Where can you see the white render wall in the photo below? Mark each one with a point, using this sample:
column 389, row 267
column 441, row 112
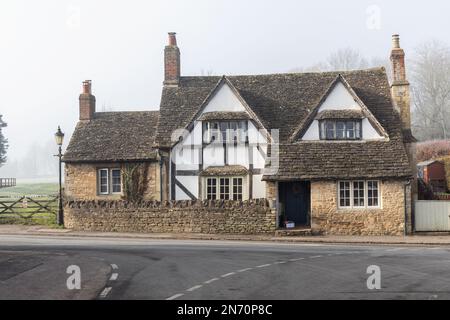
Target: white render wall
column 340, row 99
column 187, row 154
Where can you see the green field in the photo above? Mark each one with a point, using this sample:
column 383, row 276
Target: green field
column 30, row 189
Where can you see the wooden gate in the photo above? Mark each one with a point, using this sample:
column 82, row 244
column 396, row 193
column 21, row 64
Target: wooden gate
column 432, row 215
column 28, row 207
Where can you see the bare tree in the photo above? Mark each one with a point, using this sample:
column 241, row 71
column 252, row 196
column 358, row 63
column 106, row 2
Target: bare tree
column 344, row 60
column 3, row 143
column 430, row 78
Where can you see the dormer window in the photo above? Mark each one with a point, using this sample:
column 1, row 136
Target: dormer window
column 340, row 129
column 225, row 131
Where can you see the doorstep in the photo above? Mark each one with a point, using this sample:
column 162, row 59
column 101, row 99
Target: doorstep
column 294, row 232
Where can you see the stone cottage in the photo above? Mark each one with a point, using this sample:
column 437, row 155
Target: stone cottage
column 331, row 152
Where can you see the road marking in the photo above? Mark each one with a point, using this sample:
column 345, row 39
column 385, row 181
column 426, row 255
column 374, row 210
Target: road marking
column 296, row 259
column 395, row 249
column 175, row 296
column 227, row 274
column 313, row 257
column 194, row 288
column 279, row 262
column 246, row 269
column 211, row 280
column 114, row 266
column 264, row 265
column 105, row 292
column 114, row 277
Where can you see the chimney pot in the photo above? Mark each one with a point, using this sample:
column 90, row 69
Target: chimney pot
column 172, row 38
column 87, row 86
column 395, row 41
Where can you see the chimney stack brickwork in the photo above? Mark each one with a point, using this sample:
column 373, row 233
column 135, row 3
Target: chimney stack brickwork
column 400, row 86
column 87, row 102
column 172, row 66
column 401, row 97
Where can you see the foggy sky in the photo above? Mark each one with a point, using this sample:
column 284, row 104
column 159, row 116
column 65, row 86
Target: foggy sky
column 49, row 47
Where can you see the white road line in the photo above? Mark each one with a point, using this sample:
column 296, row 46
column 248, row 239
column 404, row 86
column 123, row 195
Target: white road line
column 105, row 292
column 395, row 249
column 211, row 280
column 175, row 296
column 227, row 274
column 194, row 288
column 114, row 266
column 264, row 265
column 246, row 269
column 279, row 262
column 296, row 259
column 114, row 277
column 313, row 257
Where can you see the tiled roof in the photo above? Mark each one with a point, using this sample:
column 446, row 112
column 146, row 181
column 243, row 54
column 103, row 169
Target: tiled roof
column 284, row 102
column 339, row 114
column 114, row 136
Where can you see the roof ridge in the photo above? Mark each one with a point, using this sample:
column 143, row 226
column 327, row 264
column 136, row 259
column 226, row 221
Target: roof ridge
column 330, row 72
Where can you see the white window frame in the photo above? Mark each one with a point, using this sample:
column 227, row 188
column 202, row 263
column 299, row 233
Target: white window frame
column 378, row 193
column 99, row 183
column 364, row 194
column 366, row 198
column 112, row 180
column 109, row 181
column 231, row 187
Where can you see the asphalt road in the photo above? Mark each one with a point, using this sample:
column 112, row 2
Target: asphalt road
column 33, row 267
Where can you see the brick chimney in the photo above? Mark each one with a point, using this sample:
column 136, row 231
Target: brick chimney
column 400, row 86
column 401, row 98
column 172, row 61
column 87, row 102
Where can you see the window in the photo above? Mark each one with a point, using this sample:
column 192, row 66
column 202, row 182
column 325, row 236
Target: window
column 116, row 181
column 225, row 188
column 109, row 181
column 103, row 178
column 372, row 193
column 359, row 194
column 237, row 188
column 340, row 130
column 211, row 188
column 344, row 194
column 225, row 131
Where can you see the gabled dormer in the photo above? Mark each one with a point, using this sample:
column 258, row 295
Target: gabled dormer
column 340, row 115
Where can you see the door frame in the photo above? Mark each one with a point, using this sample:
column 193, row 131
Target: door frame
column 282, row 194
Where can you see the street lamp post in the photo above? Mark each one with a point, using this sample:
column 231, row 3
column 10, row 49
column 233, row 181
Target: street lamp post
column 59, row 137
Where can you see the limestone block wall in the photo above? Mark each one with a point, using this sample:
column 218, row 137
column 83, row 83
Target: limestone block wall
column 80, row 181
column 327, row 218
column 209, row 216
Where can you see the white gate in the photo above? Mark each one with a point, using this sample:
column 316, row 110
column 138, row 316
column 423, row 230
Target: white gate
column 432, row 215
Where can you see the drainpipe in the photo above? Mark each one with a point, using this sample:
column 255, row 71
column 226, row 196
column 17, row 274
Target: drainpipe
column 160, row 177
column 405, row 231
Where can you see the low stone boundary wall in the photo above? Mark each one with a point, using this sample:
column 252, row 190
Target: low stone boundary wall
column 209, row 216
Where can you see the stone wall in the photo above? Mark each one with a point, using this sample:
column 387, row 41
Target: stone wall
column 327, row 218
column 231, row 217
column 80, row 181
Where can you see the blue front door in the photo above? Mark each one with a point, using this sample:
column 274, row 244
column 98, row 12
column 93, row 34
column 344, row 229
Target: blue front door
column 295, row 197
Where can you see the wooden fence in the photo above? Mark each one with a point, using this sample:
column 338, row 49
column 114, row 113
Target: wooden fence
column 28, row 207
column 7, row 182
